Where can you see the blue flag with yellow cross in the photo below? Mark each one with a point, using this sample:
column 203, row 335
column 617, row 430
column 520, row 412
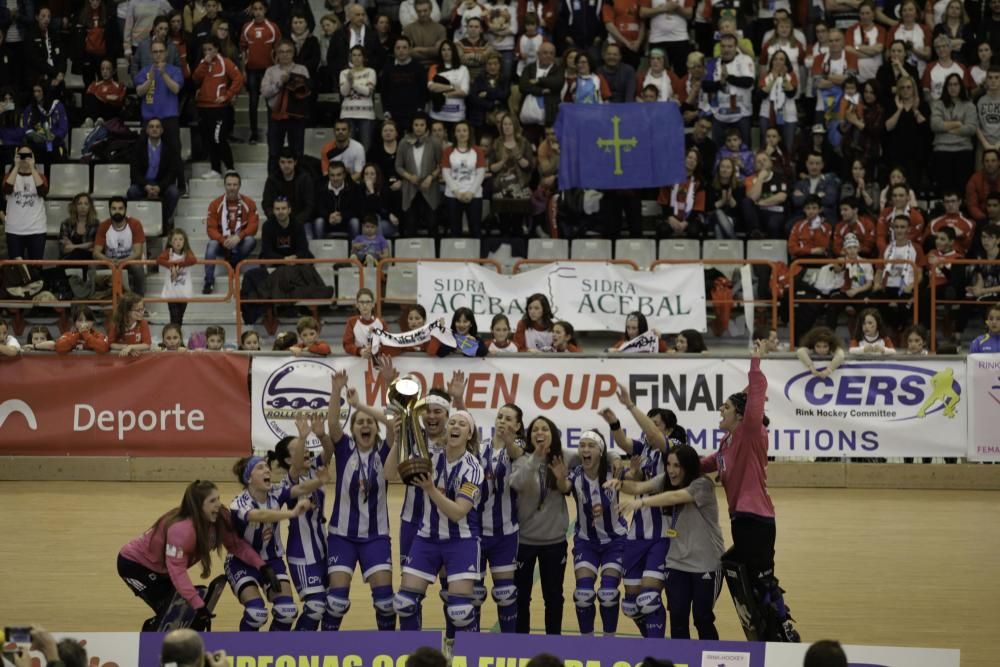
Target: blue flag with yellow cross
column 620, row 146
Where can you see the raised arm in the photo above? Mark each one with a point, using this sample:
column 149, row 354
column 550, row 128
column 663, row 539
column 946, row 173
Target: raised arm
column 664, row 499
column 753, row 416
column 337, row 383
column 654, row 437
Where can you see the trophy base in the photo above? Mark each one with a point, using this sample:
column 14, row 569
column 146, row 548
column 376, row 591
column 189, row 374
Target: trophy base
column 410, row 470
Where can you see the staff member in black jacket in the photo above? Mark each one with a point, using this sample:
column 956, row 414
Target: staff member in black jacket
column 155, row 168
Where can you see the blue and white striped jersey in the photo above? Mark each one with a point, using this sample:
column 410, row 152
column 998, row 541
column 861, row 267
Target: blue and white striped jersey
column 647, row 523
column 461, row 479
column 413, row 497
column 306, row 542
column 265, row 538
column 360, row 505
column 498, row 504
column 597, row 517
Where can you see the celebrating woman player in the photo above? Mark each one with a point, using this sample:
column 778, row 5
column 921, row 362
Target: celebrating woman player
column 359, row 521
column 599, row 535
column 448, row 534
column 694, row 572
column 498, row 513
column 155, row 565
column 741, row 462
column 305, row 548
column 256, row 513
column 647, row 545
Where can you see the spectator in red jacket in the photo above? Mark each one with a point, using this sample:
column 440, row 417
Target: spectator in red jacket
column 83, row 335
column 309, row 341
column 853, row 222
column 982, row 183
column 810, row 236
column 218, row 80
column 232, row 228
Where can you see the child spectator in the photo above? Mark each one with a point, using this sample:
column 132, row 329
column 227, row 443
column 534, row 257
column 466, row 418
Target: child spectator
column 735, row 149
column 468, row 342
column 308, row 329
column 357, row 331
column 501, row 343
column 635, row 326
column 563, row 338
column 869, row 335
column 411, row 319
column 986, row 277
column 528, row 43
column 897, row 279
column 250, row 341
column 989, row 343
column 82, row 335
column 215, row 339
column 689, row 341
column 177, row 257
column 370, row 246
column 915, row 337
column 129, row 332
column 858, row 276
column 40, row 339
column 284, row 341
column 534, row 331
column 811, row 236
column 821, row 342
column 856, row 223
column 9, row 345
column 172, row 338
column 943, row 279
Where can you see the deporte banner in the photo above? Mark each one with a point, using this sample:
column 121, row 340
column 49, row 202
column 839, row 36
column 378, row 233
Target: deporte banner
column 375, row 649
column 592, row 296
column 304, row 649
column 152, row 405
column 884, row 408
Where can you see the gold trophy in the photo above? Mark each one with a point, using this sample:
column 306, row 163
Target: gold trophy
column 411, row 449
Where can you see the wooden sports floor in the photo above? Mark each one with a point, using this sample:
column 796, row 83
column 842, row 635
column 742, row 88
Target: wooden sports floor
column 909, row 568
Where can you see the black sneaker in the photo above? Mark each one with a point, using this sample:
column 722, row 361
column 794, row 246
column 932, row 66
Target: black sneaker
column 788, row 633
column 208, row 288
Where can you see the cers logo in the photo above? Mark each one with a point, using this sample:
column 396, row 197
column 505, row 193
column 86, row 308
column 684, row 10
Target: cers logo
column 299, row 386
column 894, row 391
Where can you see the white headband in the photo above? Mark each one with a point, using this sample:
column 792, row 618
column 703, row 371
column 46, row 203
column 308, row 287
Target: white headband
column 465, row 414
column 434, row 399
column 593, row 436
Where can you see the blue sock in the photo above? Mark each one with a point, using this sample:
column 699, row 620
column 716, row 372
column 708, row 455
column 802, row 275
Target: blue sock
column 283, row 614
column 630, row 609
column 413, row 621
column 584, row 596
column 385, row 617
column 609, row 612
column 656, row 620
column 334, row 615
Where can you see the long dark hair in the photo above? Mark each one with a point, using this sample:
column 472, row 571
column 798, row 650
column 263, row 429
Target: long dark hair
column 127, row 301
column 555, row 449
column 640, row 322
column 520, row 419
column 190, row 508
column 280, row 453
column 963, row 94
column 859, row 329
column 469, row 315
column 695, row 341
column 603, row 467
column 456, row 61
column 546, row 310
column 690, row 463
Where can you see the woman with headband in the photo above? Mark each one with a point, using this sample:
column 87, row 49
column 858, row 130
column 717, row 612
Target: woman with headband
column 741, row 462
column 599, row 535
column 255, row 515
column 448, row 529
column 498, row 514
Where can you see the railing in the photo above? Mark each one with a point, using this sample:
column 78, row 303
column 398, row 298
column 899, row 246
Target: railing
column 528, row 262
column 795, row 269
column 935, row 301
column 772, row 302
column 380, row 274
column 270, row 322
column 20, row 305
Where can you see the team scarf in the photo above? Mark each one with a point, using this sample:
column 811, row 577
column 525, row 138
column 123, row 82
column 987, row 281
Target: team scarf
column 414, row 338
column 648, row 342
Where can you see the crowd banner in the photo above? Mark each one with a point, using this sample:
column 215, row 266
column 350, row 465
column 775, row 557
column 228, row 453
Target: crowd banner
column 592, row 296
column 867, row 408
column 294, row 649
column 984, row 406
column 151, row 405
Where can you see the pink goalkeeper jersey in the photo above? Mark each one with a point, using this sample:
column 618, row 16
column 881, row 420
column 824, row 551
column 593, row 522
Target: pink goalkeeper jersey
column 742, row 457
column 171, row 551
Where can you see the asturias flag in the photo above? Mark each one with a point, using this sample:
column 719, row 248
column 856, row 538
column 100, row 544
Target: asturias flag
column 619, row 146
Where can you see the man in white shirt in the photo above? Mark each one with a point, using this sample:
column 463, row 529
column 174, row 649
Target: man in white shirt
column 729, row 83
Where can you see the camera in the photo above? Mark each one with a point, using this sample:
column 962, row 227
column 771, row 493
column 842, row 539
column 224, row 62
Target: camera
column 17, row 635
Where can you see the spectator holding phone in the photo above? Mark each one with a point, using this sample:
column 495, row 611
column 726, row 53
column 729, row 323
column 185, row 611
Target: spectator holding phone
column 25, row 218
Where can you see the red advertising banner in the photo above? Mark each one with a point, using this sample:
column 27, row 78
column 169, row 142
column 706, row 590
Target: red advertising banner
column 152, row 405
